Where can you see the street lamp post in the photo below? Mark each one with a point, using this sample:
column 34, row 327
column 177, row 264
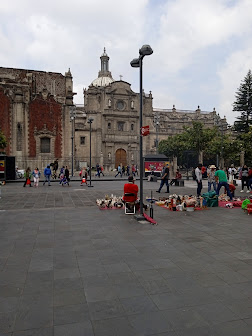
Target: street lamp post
column 219, row 122
column 90, row 120
column 72, row 118
column 157, row 122
column 146, row 50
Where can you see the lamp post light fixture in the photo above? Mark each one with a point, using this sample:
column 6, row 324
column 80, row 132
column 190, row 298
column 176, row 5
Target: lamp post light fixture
column 146, row 50
column 90, row 120
column 72, row 118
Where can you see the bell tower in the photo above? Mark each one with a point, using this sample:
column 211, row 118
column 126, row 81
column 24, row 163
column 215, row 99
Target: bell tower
column 104, row 72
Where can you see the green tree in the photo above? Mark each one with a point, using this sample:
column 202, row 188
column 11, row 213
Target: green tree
column 246, row 145
column 3, row 141
column 243, row 104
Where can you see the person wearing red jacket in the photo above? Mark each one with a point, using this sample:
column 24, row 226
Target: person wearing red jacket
column 130, row 188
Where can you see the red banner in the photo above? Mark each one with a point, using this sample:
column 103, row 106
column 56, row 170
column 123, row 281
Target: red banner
column 154, row 166
column 145, row 130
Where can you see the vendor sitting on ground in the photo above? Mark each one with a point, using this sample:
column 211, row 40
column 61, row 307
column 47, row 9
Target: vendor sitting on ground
column 231, row 188
column 178, row 176
column 130, row 193
column 130, row 188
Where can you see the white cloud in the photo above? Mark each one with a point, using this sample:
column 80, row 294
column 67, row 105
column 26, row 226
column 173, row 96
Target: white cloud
column 188, row 38
column 231, row 75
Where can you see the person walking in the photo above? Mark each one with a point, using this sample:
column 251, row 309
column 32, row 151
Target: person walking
column 198, row 174
column 36, row 176
column 221, row 179
column 62, row 174
column 47, row 174
column 128, row 170
column 27, row 176
column 164, row 178
column 211, row 178
column 101, row 170
column 119, row 171
column 67, row 175
column 98, row 170
column 133, row 169
column 123, row 170
column 244, row 177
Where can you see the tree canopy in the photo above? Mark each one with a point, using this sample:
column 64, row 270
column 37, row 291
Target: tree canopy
column 209, row 140
column 243, row 104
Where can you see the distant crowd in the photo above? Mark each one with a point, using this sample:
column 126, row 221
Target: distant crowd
column 50, row 172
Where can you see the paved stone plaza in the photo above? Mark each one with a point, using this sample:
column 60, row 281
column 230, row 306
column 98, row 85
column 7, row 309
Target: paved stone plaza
column 70, row 269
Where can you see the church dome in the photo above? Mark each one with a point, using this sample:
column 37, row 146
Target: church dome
column 102, row 81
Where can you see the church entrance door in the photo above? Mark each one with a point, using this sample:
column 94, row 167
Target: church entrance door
column 120, row 157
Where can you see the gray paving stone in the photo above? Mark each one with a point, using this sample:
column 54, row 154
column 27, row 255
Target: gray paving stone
column 35, row 332
column 81, row 257
column 100, row 310
column 7, row 321
column 233, row 328
column 115, row 326
column 139, row 304
column 185, row 318
column 215, row 313
column 74, row 329
column 68, row 296
column 150, row 323
column 71, row 314
column 8, row 304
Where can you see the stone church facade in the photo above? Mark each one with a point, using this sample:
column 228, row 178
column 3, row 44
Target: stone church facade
column 114, row 108
column 35, row 115
column 36, row 109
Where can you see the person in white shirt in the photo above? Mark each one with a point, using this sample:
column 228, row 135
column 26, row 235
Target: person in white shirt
column 198, row 174
column 231, row 173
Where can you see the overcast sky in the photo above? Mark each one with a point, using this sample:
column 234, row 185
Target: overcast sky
column 202, row 48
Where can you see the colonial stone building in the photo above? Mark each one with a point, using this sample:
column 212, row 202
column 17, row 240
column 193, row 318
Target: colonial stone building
column 41, row 123
column 114, row 108
column 34, row 115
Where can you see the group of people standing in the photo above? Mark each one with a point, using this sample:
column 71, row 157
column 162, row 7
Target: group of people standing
column 217, row 178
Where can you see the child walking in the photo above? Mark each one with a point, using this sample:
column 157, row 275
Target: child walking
column 36, row 176
column 84, row 178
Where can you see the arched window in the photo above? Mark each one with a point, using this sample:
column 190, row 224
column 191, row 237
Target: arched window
column 132, row 127
column 109, row 125
column 45, row 145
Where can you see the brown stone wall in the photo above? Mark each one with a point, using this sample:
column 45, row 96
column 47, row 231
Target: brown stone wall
column 37, row 80
column 45, row 114
column 5, row 119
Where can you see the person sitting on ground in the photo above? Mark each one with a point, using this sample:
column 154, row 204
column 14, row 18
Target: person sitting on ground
column 231, row 188
column 178, row 176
